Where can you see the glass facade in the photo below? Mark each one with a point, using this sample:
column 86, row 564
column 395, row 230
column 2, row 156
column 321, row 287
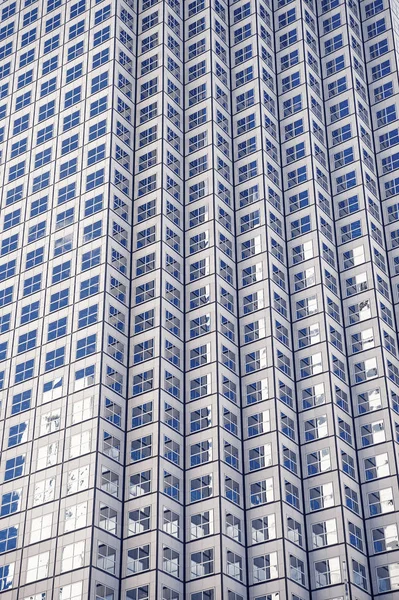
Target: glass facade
column 199, row 280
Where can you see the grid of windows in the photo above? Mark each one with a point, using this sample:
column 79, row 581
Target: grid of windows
column 198, row 277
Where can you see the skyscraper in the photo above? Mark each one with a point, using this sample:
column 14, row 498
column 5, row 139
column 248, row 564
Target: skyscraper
column 199, row 273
